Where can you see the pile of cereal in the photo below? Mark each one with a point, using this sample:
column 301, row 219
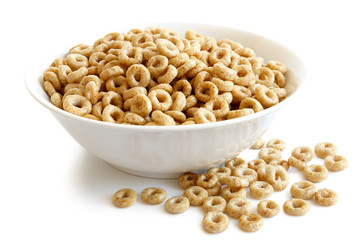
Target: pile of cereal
column 221, row 191
column 156, row 77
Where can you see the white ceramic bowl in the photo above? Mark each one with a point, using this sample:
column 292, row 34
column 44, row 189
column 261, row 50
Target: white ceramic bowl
column 166, row 152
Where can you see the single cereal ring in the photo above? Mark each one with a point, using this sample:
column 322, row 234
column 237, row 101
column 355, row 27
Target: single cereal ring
column 219, row 107
column 166, row 48
column 134, row 118
column 76, row 61
column 157, row 65
column 283, row 163
column 185, row 68
column 183, row 86
column 236, row 162
column 315, row 173
column 202, row 115
column 251, row 103
column 261, row 189
column 296, row 207
column 303, row 190
column 56, row 99
column 215, row 222
column 245, row 52
column 228, row 193
column 164, row 86
column 162, row 119
column 237, row 207
column 130, row 55
column 139, row 39
column 223, row 72
column 153, row 195
column 137, row 75
column 276, row 65
column 215, row 190
column 269, row 154
column 187, row 179
column 264, row 74
column 326, row 197
column 235, row 182
column 112, row 98
column 279, row 79
column 240, row 93
column 160, row 100
column 223, row 86
column 77, row 104
column 76, row 75
column 220, row 172
column 244, row 75
column 109, row 72
column 132, row 92
column 205, row 91
column 176, row 205
column 220, row 55
column 277, row 177
column 301, row 165
column 246, row 173
column 207, row 180
column 110, row 113
column 214, row 203
column 256, row 164
column 196, row 195
column 303, row 153
column 227, row 96
column 276, row 143
column 141, row 105
column 239, row 113
column 266, row 96
column 51, row 75
column 268, row 208
column 124, row 197
column 251, row 222
column 336, row 163
column 324, row 149
column 258, row 144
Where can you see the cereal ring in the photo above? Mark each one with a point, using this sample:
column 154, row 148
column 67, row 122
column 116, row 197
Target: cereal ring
column 51, row 75
column 130, row 55
column 296, row 207
column 82, row 49
column 176, row 205
column 207, row 180
column 77, row 104
column 186, row 67
column 201, row 77
column 96, row 58
column 301, row 165
column 117, row 84
column 220, row 55
column 196, row 195
column 268, row 208
column 139, row 39
column 223, row 86
column 278, row 178
column 166, row 48
column 134, row 118
column 188, row 179
column 163, row 86
column 138, row 75
column 261, row 189
column 279, row 79
column 245, row 52
column 269, row 154
column 132, row 92
column 283, row 163
column 235, row 182
column 276, row 65
column 250, row 222
column 178, row 116
column 256, row 62
column 226, row 96
column 183, row 86
column 56, row 99
column 240, row 93
column 220, row 172
column 276, row 143
column 202, row 115
column 315, row 173
column 336, row 163
column 219, row 107
column 303, row 190
column 264, row 74
column 223, row 72
column 251, row 103
column 215, row 222
column 169, row 75
column 50, row 90
column 246, row 173
column 76, row 61
column 237, row 207
column 111, row 113
column 266, row 97
column 157, row 65
column 76, row 75
column 141, row 105
column 153, row 195
column 258, row 144
column 162, row 119
column 234, row 163
column 256, row 164
column 325, row 149
column 97, row 109
column 124, row 197
column 160, row 100
column 244, row 75
column 205, row 91
column 228, row 193
column 303, row 153
column 112, row 98
column 326, row 197
column 214, row 203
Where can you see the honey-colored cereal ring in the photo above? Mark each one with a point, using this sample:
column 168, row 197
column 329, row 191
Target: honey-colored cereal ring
column 269, row 154
column 96, row 58
column 214, row 203
column 276, row 65
column 266, row 97
column 130, row 55
column 235, row 163
column 178, row 116
column 283, row 163
column 176, row 205
column 277, row 144
column 157, row 65
column 63, row 72
column 246, row 173
column 163, row 86
column 237, row 61
column 183, row 86
column 315, row 173
column 139, row 39
column 162, row 119
column 256, row 164
column 57, row 63
column 202, row 115
column 201, row 77
column 153, row 195
column 124, row 197
column 258, row 144
column 220, row 55
column 178, row 101
column 49, row 88
column 134, row 118
column 215, row 222
column 166, row 48
column 223, row 72
column 219, row 107
column 77, row 104
column 169, row 75
column 82, row 49
column 215, row 190
column 205, row 91
column 220, row 172
column 112, row 114
column 186, row 67
column 235, row 182
column 117, row 84
column 92, row 117
column 336, row 163
column 236, row 207
column 111, row 72
column 223, row 86
column 303, row 153
column 51, row 75
column 209, row 44
column 296, row 207
column 251, row 103
column 141, row 105
column 179, row 60
column 187, row 179
column 264, row 74
column 299, row 164
column 261, row 189
column 112, row 98
column 132, row 92
column 268, row 208
column 76, row 61
column 279, row 79
column 207, row 180
column 245, row 52
column 250, row 222
column 278, row 178
column 91, row 92
column 56, row 99
column 76, row 75
column 244, row 75
column 160, row 100
column 196, row 195
column 138, row 75
column 98, row 109
column 228, row 193
column 326, row 197
column 303, row 190
column 325, row 149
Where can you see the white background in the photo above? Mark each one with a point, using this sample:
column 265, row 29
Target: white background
column 51, row 188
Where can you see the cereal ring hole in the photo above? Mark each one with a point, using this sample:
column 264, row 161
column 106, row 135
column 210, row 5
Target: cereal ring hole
column 271, row 205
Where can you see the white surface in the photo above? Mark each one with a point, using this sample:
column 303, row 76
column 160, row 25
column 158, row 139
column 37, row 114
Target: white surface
column 51, row 188
column 166, row 152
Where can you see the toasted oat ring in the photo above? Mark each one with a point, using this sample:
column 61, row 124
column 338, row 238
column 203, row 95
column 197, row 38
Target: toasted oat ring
column 229, row 192
column 185, row 68
column 141, row 105
column 196, row 195
column 162, row 119
column 235, row 182
column 268, row 208
column 201, row 77
column 157, row 65
column 202, row 115
column 269, row 154
column 91, row 92
column 223, row 86
column 153, row 195
column 207, row 180
column 134, row 118
column 223, row 72
column 163, row 86
column 215, row 222
column 261, row 189
column 303, row 190
column 256, row 164
column 237, row 207
column 178, row 116
column 251, row 222
column 219, row 107
column 176, row 205
column 264, row 74
column 246, row 173
column 124, row 197
column 76, row 61
column 220, row 55
column 326, row 197
column 97, row 109
column 215, row 190
column 137, row 75
column 244, row 75
column 278, row 178
column 214, row 203
column 315, row 173
column 110, row 72
column 205, row 91
column 279, row 79
column 51, row 75
column 277, row 144
column 77, row 104
column 245, row 52
column 139, row 39
column 130, row 55
column 178, row 101
column 169, row 75
column 112, row 98
column 112, row 114
column 299, row 164
column 117, row 84
column 56, row 99
column 296, row 207
column 336, row 163
column 325, row 149
column 303, row 153
column 251, row 103
column 266, row 96
column 188, row 179
column 234, row 163
column 82, row 49
column 283, row 163
column 220, row 172
column 160, row 99
column 258, row 144
column 276, row 65
column 166, row 48
column 132, row 92
column 76, row 75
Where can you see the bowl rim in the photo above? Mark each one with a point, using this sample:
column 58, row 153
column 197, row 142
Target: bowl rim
column 29, row 75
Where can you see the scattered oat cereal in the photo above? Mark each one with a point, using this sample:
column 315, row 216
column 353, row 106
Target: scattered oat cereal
column 124, row 198
column 153, row 195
